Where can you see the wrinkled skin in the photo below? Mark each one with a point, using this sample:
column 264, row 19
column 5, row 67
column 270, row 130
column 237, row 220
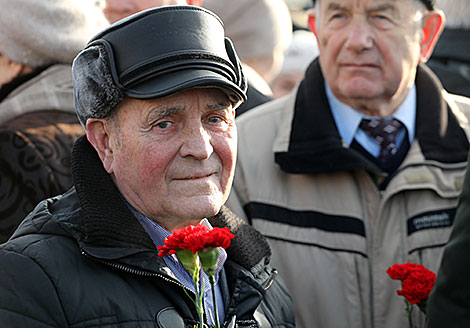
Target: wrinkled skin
column 172, row 158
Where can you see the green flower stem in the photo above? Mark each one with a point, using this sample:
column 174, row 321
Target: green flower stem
column 199, row 305
column 409, row 310
column 192, row 264
column 216, row 312
column 209, row 258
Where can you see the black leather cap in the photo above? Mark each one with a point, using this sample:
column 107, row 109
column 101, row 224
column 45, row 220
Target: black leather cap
column 153, row 54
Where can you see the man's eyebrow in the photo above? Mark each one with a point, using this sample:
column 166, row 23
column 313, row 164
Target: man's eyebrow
column 384, row 7
column 221, row 105
column 163, row 111
column 332, row 6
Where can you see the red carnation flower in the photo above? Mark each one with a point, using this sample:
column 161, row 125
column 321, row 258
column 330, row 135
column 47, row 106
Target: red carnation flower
column 418, row 285
column 197, row 246
column 195, row 239
column 401, row 271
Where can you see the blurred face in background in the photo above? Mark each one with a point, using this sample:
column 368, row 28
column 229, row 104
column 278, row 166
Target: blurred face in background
column 370, row 49
column 285, row 83
column 115, row 10
column 9, row 70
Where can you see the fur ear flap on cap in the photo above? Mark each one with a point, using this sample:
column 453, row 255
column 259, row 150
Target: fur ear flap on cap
column 95, row 92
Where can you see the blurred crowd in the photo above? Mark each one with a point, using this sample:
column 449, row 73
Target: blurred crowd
column 277, row 47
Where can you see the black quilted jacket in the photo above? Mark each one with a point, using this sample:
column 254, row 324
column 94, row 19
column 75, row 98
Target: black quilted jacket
column 83, row 260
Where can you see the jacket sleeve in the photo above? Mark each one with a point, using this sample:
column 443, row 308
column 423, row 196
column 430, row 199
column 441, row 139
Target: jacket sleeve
column 28, row 296
column 449, row 303
column 278, row 305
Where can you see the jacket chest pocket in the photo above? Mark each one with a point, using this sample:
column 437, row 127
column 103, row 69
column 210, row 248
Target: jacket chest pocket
column 427, row 234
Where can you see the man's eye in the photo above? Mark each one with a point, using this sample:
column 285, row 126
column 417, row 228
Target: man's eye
column 164, row 125
column 382, row 21
column 337, row 20
column 337, row 16
column 380, row 17
column 214, row 119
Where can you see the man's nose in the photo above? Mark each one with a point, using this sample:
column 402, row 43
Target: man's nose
column 196, row 143
column 360, row 36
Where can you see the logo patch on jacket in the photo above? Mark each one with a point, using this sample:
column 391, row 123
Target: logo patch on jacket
column 431, row 220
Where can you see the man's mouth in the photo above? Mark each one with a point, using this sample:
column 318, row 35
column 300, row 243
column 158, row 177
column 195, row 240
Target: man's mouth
column 196, row 177
column 359, row 65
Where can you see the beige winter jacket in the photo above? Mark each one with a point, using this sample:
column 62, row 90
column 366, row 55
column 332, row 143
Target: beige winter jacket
column 333, row 233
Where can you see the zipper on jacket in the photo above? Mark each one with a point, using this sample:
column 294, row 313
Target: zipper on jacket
column 270, row 282
column 135, row 271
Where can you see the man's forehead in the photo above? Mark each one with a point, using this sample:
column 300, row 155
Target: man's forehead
column 206, row 98
column 332, row 4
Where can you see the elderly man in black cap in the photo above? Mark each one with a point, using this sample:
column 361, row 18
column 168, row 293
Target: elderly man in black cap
column 156, row 93
column 360, row 167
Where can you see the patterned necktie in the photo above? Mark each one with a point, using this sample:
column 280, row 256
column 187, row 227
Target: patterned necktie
column 384, row 132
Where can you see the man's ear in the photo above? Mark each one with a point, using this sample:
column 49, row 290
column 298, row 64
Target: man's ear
column 312, row 21
column 98, row 134
column 433, row 24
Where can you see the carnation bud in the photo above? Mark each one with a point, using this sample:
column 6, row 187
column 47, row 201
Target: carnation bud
column 209, row 258
column 189, row 260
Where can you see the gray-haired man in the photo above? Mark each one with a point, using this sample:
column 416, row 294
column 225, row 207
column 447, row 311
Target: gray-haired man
column 360, row 167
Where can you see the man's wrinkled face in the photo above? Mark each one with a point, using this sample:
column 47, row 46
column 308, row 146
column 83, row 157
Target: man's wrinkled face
column 173, row 158
column 369, row 49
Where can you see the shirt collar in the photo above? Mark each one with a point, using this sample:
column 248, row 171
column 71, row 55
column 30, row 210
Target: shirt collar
column 348, row 119
column 158, row 234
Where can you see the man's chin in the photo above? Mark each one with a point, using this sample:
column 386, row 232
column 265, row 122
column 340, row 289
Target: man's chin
column 201, row 207
column 366, row 90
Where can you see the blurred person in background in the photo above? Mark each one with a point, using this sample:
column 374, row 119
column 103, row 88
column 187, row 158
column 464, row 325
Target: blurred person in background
column 360, row 167
column 115, row 10
column 302, row 50
column 38, row 125
column 451, row 57
column 244, row 31
column 261, row 31
column 448, row 305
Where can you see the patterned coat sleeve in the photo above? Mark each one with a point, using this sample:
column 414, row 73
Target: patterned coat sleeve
column 34, row 165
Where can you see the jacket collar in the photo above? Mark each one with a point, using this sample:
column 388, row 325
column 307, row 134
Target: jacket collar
column 108, row 223
column 316, row 147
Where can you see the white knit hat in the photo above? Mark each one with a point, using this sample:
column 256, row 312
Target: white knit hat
column 302, row 50
column 40, row 32
column 256, row 27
